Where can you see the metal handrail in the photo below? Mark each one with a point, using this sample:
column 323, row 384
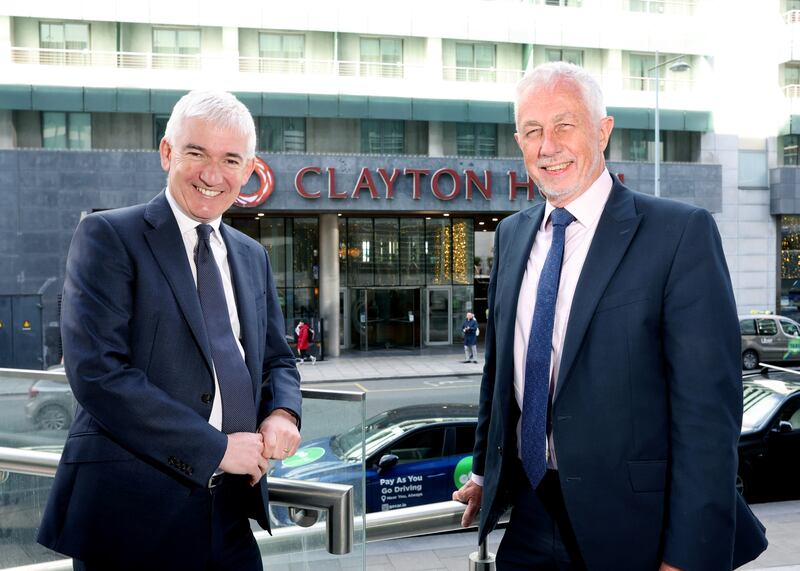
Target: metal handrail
column 335, row 499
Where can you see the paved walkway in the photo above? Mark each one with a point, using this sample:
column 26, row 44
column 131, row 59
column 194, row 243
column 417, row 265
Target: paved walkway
column 434, row 362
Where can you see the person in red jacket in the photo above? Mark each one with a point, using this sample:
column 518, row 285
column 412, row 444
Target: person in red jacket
column 303, row 333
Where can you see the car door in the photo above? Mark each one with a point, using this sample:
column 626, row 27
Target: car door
column 772, row 345
column 419, row 477
column 783, row 451
column 791, row 333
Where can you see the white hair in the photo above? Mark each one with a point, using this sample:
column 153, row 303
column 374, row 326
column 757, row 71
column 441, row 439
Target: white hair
column 549, row 73
column 219, row 108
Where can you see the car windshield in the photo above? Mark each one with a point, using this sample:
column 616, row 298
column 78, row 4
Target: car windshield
column 761, row 398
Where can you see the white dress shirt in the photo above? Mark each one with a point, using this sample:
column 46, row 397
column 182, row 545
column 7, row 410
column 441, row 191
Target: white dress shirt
column 586, row 209
column 188, row 228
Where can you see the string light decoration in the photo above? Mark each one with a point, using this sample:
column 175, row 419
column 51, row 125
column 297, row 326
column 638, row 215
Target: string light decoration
column 441, row 251
column 460, row 252
column 790, row 248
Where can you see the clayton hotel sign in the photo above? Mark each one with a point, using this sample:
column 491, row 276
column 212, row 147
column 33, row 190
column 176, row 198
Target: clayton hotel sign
column 359, row 182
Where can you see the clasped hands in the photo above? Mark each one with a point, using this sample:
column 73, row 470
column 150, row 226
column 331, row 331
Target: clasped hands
column 249, row 453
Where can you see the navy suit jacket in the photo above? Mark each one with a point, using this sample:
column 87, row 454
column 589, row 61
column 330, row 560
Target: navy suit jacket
column 141, row 451
column 647, row 409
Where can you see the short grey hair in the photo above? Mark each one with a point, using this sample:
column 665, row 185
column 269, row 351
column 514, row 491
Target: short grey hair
column 219, row 108
column 549, row 73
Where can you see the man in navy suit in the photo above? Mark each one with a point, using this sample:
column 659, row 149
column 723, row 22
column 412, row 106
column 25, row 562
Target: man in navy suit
column 174, row 347
column 631, row 331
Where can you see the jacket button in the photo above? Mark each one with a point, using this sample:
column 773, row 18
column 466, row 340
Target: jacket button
column 500, row 450
column 206, row 398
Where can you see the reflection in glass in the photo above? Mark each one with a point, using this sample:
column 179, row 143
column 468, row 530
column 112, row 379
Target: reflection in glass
column 273, row 238
column 360, row 253
column 342, row 252
column 438, row 315
column 462, row 303
column 412, row 248
column 438, row 250
column 304, row 248
column 387, row 255
column 463, row 251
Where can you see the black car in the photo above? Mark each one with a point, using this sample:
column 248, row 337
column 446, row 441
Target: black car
column 769, row 446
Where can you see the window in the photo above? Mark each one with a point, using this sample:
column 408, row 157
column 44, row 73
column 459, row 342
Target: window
column 382, row 136
column 641, row 72
column 281, row 53
column 420, row 445
column 282, row 134
column 569, row 56
column 382, row 57
column 159, row 128
column 576, row 3
column 791, row 74
column 64, row 36
column 66, row 130
column 790, row 328
column 748, row 326
column 675, row 146
column 790, row 145
column 475, row 62
column 476, row 139
column 176, row 48
column 753, row 169
column 465, row 439
column 767, row 327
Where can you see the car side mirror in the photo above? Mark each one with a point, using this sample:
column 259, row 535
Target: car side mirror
column 387, row 461
column 783, row 427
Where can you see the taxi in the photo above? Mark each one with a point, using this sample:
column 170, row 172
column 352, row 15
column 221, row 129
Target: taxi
column 414, row 455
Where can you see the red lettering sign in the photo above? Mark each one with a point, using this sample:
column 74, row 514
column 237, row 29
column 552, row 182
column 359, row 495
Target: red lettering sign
column 365, row 181
column 456, row 184
column 332, row 185
column 514, row 185
column 417, row 174
column 484, row 187
column 298, row 182
column 389, row 180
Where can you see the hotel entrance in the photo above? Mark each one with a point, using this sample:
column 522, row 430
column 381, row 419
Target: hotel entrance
column 383, row 318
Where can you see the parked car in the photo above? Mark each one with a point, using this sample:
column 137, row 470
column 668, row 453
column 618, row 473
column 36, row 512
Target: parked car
column 769, row 447
column 414, row 455
column 50, row 404
column 768, row 338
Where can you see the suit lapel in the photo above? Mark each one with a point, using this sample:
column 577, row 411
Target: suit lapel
column 245, row 299
column 615, row 230
column 169, row 251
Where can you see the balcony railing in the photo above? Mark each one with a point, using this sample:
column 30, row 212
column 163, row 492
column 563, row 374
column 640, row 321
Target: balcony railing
column 672, row 7
column 638, row 83
column 126, row 60
column 482, row 74
column 792, row 91
column 792, row 17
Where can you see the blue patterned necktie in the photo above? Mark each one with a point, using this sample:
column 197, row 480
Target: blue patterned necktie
column 235, row 383
column 540, row 345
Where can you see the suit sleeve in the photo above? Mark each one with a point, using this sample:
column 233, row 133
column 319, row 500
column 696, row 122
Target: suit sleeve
column 280, row 379
column 487, row 382
column 98, row 309
column 701, row 345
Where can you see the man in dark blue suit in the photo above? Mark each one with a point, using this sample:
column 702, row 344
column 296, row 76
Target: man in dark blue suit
column 611, row 400
column 174, row 347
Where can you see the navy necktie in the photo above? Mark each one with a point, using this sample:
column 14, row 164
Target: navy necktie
column 537, row 364
column 235, row 383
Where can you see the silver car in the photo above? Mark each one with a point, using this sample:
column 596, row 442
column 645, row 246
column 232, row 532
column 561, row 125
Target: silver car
column 50, row 405
column 768, row 338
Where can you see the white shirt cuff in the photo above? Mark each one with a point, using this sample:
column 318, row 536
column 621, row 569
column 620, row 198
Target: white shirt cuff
column 477, row 479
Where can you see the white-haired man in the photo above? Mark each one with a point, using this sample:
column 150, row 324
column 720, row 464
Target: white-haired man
column 611, row 399
column 174, row 347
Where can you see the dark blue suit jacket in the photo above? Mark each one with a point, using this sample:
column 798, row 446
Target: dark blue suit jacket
column 140, row 452
column 647, row 411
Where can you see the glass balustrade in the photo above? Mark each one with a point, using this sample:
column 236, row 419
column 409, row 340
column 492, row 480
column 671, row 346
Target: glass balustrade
column 37, row 407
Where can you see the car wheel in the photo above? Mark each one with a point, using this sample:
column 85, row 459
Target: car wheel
column 749, row 360
column 52, row 417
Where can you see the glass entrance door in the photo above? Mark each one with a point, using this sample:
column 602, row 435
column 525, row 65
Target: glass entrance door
column 439, row 316
column 383, row 318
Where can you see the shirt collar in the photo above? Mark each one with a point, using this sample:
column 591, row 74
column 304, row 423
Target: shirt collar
column 588, row 207
column 186, row 224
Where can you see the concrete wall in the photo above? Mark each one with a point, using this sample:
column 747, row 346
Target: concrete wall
column 103, row 36
column 8, row 135
column 122, row 131
column 136, row 38
column 506, row 145
column 416, row 137
column 25, row 33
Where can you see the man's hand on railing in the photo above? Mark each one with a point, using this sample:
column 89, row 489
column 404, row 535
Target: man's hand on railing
column 470, row 494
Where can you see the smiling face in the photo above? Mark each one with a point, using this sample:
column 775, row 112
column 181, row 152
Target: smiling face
column 562, row 144
column 207, row 166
